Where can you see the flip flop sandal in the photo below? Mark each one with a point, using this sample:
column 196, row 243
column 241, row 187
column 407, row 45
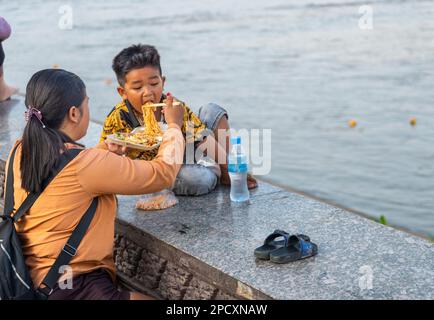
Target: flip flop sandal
column 295, row 248
column 270, row 244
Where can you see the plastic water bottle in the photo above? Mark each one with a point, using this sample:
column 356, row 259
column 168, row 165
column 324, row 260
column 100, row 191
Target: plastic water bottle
column 237, row 167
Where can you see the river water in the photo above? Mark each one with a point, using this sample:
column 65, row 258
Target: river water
column 302, row 68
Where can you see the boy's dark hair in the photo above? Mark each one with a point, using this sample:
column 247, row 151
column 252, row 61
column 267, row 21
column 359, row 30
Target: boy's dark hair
column 134, row 57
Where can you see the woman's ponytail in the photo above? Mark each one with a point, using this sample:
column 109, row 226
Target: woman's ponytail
column 49, row 96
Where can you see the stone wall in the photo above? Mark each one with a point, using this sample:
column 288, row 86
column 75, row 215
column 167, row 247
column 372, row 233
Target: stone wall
column 145, row 271
column 150, row 266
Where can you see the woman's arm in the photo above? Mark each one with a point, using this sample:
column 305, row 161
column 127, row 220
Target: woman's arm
column 103, row 172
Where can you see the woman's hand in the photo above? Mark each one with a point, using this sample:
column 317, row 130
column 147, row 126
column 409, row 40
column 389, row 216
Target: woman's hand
column 173, row 114
column 115, row 148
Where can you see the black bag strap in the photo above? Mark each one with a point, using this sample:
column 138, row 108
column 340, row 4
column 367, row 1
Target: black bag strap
column 9, row 192
column 68, row 251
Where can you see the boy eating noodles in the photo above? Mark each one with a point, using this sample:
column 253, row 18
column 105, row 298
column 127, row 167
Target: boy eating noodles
column 140, row 79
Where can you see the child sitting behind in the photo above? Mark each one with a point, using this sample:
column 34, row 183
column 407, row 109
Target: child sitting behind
column 140, row 79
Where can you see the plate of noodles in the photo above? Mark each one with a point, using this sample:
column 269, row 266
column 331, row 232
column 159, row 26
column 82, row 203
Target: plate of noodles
column 144, row 138
column 137, row 140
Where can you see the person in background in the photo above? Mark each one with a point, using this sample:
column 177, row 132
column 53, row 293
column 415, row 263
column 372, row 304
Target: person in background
column 6, row 91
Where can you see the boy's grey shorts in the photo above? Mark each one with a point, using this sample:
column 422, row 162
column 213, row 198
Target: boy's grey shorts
column 196, row 179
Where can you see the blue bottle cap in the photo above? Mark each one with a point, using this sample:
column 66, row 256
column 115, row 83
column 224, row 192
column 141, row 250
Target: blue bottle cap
column 236, row 140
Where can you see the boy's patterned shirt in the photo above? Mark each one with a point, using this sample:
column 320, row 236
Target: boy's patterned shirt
column 117, row 121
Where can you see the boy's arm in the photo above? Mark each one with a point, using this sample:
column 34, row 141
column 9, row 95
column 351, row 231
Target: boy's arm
column 102, row 172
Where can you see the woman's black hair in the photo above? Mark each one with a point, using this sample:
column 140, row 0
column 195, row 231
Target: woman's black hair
column 53, row 92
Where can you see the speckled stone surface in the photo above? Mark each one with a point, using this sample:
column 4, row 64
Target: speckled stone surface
column 358, row 258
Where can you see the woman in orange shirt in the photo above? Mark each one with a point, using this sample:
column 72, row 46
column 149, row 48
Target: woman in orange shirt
column 58, row 115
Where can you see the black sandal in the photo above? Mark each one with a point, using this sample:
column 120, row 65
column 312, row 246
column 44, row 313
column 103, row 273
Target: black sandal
column 270, row 244
column 295, row 248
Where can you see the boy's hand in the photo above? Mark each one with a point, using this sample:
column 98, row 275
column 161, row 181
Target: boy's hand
column 115, row 148
column 173, row 114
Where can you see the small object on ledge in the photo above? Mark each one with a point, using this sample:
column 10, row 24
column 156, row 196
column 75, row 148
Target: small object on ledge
column 413, row 121
column 271, row 244
column 157, row 201
column 295, row 248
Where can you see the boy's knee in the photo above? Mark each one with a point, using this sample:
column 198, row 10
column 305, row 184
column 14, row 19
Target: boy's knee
column 210, row 114
column 194, row 180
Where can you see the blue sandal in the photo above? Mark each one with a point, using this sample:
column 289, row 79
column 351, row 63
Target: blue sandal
column 270, row 244
column 295, row 248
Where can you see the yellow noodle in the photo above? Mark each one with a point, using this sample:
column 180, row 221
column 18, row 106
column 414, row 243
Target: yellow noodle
column 151, row 125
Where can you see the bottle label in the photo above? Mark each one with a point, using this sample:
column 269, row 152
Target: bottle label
column 242, row 167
